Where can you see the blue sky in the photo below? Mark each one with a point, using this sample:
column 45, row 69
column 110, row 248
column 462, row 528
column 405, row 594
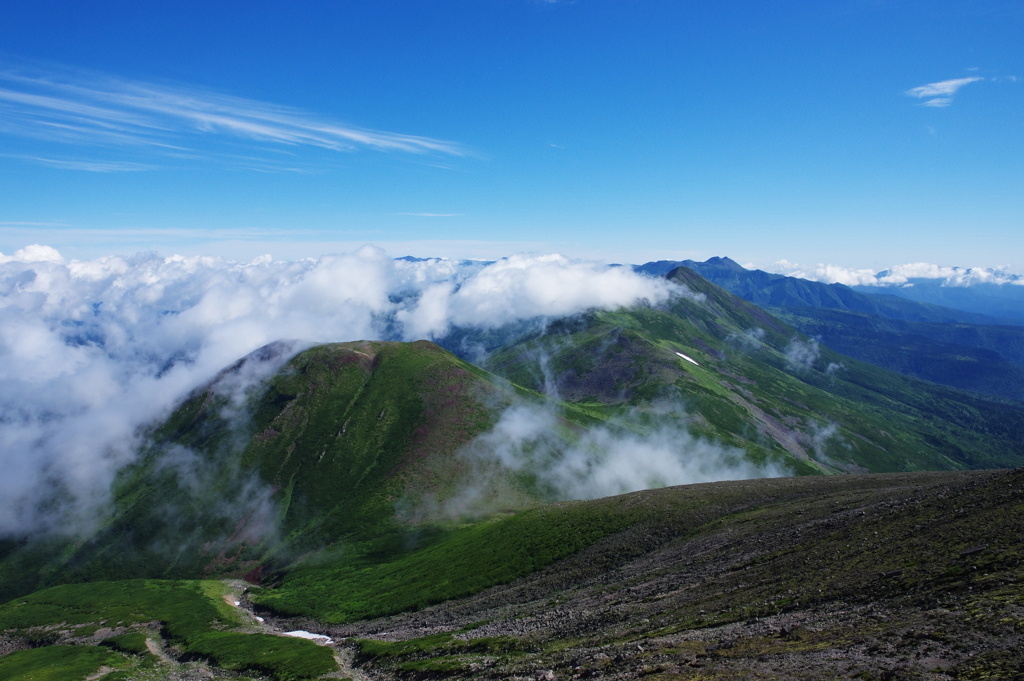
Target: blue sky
column 864, row 134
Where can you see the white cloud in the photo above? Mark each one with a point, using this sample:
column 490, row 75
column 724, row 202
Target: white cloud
column 34, row 253
column 801, row 355
column 612, row 458
column 521, row 287
column 899, row 275
column 92, row 350
column 90, row 166
column 944, row 87
column 940, row 94
column 86, row 108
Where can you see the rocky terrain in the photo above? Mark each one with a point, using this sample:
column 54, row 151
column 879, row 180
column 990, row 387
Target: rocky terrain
column 899, row 576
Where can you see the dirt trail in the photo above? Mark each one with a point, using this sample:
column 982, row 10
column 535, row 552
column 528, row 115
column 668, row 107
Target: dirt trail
column 156, row 650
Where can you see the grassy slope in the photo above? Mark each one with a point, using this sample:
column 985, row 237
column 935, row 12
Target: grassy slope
column 189, row 618
column 851, row 577
column 57, row 663
column 320, row 456
column 745, row 391
column 500, row 551
column 750, row 549
column 464, row 562
column 495, row 552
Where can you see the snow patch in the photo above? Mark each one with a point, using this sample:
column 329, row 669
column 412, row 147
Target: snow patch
column 688, row 359
column 299, row 633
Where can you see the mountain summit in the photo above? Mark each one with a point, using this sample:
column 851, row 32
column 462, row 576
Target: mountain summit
column 394, row 500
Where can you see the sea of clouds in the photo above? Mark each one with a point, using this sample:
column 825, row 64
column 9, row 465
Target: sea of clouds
column 92, row 352
column 899, row 275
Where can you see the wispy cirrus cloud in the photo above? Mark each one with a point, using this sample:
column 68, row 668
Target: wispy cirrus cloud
column 90, row 166
column 940, row 94
column 93, row 110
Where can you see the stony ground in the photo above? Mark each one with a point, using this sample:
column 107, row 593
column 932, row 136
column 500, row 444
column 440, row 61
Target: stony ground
column 901, row 576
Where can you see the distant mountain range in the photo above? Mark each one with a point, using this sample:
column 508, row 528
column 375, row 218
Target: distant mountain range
column 955, row 347
column 436, row 518
column 778, row 290
column 1003, row 300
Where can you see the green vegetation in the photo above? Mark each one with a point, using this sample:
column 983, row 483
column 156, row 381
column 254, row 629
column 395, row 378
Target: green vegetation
column 763, row 387
column 56, row 663
column 464, row 562
column 284, row 658
column 310, row 481
column 134, row 642
column 190, row 619
column 439, row 653
column 853, row 577
column 180, row 606
column 317, row 457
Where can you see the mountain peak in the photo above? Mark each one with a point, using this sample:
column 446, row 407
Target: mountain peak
column 725, row 263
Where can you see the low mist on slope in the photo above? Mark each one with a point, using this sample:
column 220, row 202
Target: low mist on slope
column 92, row 352
column 641, row 449
column 232, row 499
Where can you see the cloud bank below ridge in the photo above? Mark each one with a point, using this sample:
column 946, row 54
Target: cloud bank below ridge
column 899, row 275
column 92, row 351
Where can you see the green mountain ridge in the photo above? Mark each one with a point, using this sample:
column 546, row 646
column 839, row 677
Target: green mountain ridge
column 751, row 391
column 322, row 476
column 352, row 449
column 953, row 347
column 319, row 452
